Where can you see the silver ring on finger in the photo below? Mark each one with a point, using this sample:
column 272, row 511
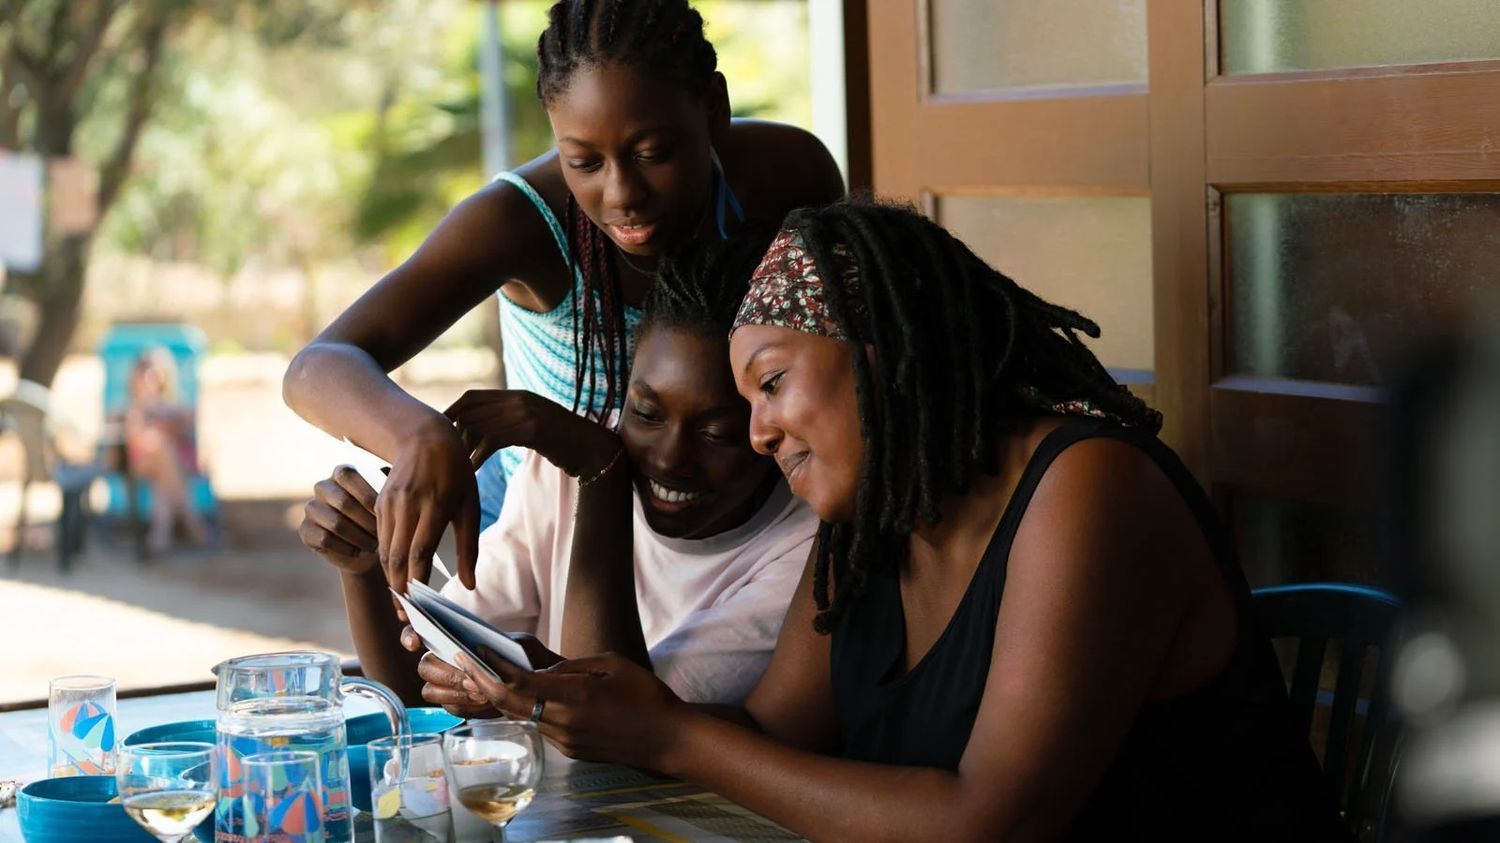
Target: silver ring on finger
column 536, row 711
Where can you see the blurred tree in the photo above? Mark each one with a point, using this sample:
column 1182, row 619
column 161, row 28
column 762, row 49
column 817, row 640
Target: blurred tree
column 71, row 68
column 428, row 145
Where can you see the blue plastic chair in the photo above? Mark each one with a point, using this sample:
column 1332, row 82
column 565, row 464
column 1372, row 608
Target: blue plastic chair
column 119, row 350
column 1359, row 618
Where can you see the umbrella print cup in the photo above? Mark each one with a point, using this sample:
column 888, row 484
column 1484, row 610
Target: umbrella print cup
column 81, row 726
column 283, row 798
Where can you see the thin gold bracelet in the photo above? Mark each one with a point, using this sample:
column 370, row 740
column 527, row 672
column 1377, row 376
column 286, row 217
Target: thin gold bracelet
column 584, row 482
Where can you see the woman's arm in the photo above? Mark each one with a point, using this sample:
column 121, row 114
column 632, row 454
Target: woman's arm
column 339, row 525
column 600, row 612
column 339, row 381
column 1092, row 600
column 377, row 634
column 599, row 601
column 793, row 701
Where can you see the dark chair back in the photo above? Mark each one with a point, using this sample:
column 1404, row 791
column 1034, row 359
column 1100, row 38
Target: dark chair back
column 1357, row 766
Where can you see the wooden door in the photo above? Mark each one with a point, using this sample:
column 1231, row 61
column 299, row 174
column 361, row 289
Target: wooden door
column 1024, row 148
column 1350, row 170
column 1319, row 183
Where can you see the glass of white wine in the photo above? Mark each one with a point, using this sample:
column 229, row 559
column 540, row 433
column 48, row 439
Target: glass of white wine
column 494, row 768
column 167, row 787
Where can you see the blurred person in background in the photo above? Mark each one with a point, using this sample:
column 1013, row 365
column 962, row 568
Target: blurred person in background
column 159, row 448
column 1439, row 528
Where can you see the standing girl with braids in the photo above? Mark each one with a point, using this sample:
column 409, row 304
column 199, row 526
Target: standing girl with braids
column 1022, row 619
column 646, row 157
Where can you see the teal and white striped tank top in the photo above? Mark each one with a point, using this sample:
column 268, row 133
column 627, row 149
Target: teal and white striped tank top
column 539, row 355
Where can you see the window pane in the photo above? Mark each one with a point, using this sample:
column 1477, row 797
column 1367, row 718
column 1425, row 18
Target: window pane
column 1266, row 36
column 989, row 44
column 1329, row 287
column 1090, row 253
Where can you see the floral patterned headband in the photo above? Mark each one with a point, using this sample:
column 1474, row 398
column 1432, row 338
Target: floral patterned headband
column 787, row 291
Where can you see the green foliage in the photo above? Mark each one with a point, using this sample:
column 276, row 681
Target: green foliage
column 430, row 149
column 430, row 155
column 325, row 136
column 248, row 160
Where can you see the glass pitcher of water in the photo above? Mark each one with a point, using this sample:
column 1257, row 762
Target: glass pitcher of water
column 289, row 701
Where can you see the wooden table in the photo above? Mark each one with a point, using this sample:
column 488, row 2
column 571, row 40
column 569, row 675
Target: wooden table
column 576, row 799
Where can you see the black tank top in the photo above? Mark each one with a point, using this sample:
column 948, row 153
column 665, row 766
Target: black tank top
column 1223, row 762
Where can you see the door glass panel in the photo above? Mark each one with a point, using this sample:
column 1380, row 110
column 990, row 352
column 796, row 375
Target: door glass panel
column 981, row 45
column 1089, row 253
column 1267, row 36
column 1332, row 287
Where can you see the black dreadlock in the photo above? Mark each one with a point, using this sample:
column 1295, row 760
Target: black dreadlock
column 664, row 37
column 955, row 343
column 700, row 286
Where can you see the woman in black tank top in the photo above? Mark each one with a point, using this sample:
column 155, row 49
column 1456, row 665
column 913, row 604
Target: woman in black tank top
column 1022, row 619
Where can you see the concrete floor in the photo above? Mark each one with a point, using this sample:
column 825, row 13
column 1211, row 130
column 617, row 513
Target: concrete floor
column 167, row 622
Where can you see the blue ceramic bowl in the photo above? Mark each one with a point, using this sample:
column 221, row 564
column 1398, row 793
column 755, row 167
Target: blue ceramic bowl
column 75, row 809
column 368, row 727
column 200, row 731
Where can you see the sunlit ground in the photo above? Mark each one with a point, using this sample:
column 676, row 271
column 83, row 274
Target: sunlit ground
column 171, row 620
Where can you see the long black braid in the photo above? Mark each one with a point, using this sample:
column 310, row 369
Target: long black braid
column 963, row 353
column 664, row 37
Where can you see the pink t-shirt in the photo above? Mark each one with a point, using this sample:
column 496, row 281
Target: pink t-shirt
column 710, row 608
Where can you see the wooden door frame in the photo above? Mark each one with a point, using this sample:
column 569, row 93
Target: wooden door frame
column 1200, row 135
column 1403, row 129
column 1091, row 137
column 1180, row 234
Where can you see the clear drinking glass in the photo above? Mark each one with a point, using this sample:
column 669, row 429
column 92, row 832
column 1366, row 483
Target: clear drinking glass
column 409, row 790
column 168, row 787
column 494, row 767
column 283, row 798
column 81, row 726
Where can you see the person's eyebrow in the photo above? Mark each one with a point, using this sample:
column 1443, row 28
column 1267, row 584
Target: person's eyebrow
column 745, row 369
column 635, row 137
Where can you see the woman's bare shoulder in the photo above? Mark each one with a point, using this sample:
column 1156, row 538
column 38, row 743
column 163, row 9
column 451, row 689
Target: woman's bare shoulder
column 521, row 243
column 778, row 167
column 1105, row 503
column 544, row 174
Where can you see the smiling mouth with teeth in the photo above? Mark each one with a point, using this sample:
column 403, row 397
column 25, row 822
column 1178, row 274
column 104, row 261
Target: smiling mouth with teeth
column 672, row 495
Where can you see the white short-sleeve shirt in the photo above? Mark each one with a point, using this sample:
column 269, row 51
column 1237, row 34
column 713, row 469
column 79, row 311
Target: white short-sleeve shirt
column 711, row 608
